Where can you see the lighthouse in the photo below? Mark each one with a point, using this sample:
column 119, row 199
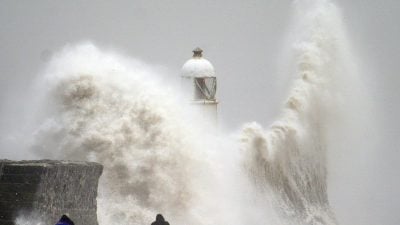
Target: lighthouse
column 200, row 85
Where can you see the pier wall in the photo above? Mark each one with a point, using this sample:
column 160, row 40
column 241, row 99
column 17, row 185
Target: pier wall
column 47, row 189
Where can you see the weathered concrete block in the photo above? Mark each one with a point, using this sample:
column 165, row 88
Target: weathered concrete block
column 46, row 189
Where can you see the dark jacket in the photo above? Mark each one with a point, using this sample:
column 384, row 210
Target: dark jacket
column 65, row 221
column 160, row 220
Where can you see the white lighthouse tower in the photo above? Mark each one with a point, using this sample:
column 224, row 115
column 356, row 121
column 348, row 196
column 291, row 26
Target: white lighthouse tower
column 200, row 84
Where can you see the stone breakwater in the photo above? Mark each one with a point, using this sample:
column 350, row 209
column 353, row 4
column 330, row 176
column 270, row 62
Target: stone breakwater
column 46, row 189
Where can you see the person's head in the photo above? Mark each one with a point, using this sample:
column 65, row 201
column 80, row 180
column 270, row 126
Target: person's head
column 65, row 218
column 159, row 218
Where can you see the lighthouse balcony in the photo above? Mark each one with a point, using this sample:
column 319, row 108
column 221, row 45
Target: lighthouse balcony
column 204, row 101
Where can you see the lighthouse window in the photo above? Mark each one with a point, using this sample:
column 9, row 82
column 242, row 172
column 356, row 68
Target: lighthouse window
column 206, row 88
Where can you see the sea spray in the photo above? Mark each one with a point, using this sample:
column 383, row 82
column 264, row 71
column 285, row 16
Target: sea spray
column 288, row 161
column 106, row 108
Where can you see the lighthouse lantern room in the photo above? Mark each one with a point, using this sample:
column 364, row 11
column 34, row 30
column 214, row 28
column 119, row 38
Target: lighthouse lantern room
column 200, row 84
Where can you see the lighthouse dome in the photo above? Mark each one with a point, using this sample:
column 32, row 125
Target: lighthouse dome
column 198, row 66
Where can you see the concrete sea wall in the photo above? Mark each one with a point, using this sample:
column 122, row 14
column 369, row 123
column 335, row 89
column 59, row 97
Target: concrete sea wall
column 46, row 189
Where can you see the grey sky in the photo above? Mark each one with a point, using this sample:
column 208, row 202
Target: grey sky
column 243, row 39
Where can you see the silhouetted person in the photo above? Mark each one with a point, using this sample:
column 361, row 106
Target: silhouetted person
column 160, row 220
column 65, row 221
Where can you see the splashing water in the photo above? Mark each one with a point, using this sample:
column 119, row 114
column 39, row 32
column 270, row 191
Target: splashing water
column 103, row 107
column 288, row 161
column 106, row 109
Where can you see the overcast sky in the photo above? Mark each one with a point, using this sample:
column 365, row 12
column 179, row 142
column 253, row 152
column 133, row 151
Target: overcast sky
column 243, row 39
